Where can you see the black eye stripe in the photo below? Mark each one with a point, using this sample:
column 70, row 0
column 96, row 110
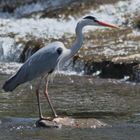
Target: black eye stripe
column 59, row 50
column 90, row 17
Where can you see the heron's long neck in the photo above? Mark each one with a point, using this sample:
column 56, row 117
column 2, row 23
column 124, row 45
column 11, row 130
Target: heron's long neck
column 75, row 46
column 78, row 42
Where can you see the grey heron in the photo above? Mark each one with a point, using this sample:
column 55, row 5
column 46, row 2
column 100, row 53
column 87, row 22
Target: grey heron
column 49, row 59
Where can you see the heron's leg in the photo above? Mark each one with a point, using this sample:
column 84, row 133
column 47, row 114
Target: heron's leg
column 48, row 98
column 38, row 99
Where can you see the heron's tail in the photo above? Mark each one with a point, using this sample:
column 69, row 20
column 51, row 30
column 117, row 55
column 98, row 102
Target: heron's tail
column 10, row 84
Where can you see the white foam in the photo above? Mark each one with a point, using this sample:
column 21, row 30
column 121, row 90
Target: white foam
column 70, row 73
column 51, row 27
column 9, row 51
column 9, row 67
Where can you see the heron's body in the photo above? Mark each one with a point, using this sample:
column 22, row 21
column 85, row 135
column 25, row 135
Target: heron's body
column 40, row 63
column 49, row 58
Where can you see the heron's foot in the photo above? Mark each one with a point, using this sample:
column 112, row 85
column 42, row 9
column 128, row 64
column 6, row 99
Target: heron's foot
column 55, row 116
column 47, row 123
column 46, row 118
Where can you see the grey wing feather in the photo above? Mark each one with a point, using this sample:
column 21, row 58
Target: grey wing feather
column 43, row 61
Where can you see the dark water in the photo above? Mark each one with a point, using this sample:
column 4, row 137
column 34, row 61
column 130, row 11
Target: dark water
column 113, row 102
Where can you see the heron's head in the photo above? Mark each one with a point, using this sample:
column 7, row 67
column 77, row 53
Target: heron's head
column 90, row 20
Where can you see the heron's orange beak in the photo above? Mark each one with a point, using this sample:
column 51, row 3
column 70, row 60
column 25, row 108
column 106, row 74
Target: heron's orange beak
column 107, row 24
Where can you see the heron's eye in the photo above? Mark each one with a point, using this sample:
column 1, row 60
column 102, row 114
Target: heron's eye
column 59, row 51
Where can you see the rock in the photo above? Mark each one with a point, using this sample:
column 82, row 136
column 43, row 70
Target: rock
column 136, row 73
column 127, row 59
column 71, row 122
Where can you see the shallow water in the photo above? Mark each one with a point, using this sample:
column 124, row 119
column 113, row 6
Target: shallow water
column 114, row 102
